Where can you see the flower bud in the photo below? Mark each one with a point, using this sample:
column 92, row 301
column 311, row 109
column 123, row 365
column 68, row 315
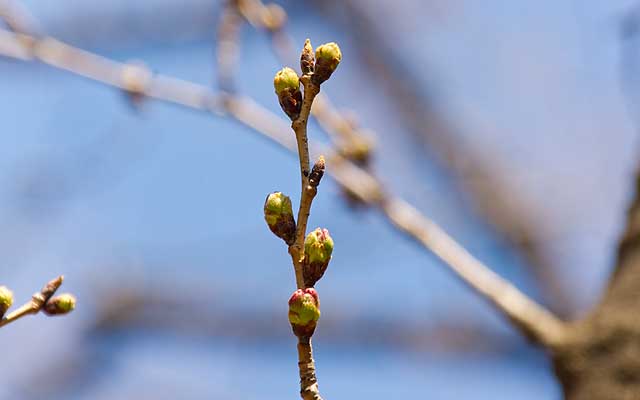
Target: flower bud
column 328, row 56
column 279, row 216
column 60, row 305
column 287, row 85
column 304, row 311
column 318, row 247
column 317, row 172
column 307, row 61
column 6, row 300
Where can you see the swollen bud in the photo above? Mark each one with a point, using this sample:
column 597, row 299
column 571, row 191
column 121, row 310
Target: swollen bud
column 6, row 300
column 60, row 305
column 318, row 247
column 304, row 311
column 328, row 56
column 307, row 61
column 279, row 216
column 287, row 85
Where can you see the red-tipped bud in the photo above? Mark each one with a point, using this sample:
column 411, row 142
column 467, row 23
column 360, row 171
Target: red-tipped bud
column 304, row 311
column 318, row 246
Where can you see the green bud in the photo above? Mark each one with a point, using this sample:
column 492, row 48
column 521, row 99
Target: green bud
column 60, row 305
column 304, row 311
column 318, row 246
column 285, row 79
column 358, row 150
column 287, row 85
column 279, row 216
column 6, row 300
column 328, row 56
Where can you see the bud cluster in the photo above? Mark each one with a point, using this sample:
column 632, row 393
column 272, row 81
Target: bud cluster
column 319, row 66
column 44, row 299
column 304, row 304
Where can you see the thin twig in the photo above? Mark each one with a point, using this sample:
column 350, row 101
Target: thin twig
column 308, row 381
column 517, row 307
column 308, row 192
column 36, row 304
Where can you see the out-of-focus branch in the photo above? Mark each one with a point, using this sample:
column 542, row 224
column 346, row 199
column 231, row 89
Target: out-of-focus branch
column 495, row 200
column 227, row 46
column 529, row 317
column 18, row 18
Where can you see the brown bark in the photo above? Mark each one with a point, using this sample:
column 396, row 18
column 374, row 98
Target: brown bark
column 601, row 358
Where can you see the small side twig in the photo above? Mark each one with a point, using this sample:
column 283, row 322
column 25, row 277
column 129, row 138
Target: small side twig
column 40, row 302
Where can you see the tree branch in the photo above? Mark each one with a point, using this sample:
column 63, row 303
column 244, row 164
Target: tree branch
column 306, row 365
column 36, row 304
column 308, row 192
column 517, row 307
column 531, row 319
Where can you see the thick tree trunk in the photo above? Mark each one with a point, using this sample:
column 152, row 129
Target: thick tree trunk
column 600, row 359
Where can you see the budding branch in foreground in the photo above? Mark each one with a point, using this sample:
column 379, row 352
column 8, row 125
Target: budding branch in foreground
column 518, row 308
column 527, row 316
column 310, row 256
column 44, row 301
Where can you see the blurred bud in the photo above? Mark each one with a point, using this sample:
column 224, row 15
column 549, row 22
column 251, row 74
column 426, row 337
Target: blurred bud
column 357, row 150
column 60, row 305
column 135, row 79
column 317, row 172
column 304, row 311
column 279, row 216
column 307, row 61
column 6, row 300
column 328, row 56
column 273, row 17
column 287, row 85
column 318, row 246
